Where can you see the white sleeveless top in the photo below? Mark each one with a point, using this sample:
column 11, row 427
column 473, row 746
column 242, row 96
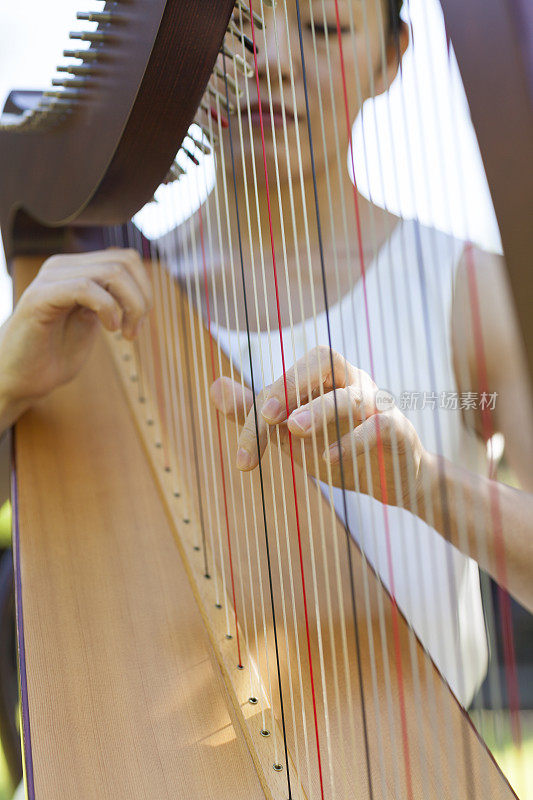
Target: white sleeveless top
column 409, row 291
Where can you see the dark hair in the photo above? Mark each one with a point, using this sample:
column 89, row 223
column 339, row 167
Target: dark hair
column 393, row 12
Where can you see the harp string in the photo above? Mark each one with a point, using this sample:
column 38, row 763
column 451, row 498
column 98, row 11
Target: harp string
column 401, row 518
column 280, row 462
column 219, row 436
column 319, row 95
column 243, row 397
column 269, row 453
column 163, row 349
column 351, row 422
column 395, row 621
column 261, row 498
column 392, row 281
column 228, row 210
column 510, row 666
column 302, row 573
column 511, row 676
column 445, row 500
column 436, row 707
column 314, row 319
column 309, row 388
column 326, row 36
column 170, row 252
column 315, row 452
column 267, row 544
column 479, row 540
column 241, row 574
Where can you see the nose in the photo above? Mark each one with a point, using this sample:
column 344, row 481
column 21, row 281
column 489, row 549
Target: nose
column 277, row 50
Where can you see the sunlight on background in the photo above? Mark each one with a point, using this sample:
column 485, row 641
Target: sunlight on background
column 421, row 153
column 445, row 180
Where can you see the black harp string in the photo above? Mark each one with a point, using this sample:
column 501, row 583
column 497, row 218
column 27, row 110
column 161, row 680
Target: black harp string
column 443, row 491
column 254, row 401
column 337, row 421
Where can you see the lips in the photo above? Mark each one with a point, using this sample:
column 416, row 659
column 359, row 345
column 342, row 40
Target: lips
column 269, row 113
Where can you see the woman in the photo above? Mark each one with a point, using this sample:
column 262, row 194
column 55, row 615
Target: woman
column 393, row 329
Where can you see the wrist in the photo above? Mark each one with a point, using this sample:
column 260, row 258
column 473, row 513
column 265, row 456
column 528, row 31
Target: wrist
column 426, row 484
column 12, row 402
column 10, row 409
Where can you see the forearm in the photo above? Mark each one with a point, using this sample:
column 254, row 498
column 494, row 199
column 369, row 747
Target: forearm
column 485, row 519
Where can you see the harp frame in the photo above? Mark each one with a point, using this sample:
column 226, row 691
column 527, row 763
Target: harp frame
column 25, row 218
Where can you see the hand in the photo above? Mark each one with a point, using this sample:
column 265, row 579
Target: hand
column 385, row 436
column 50, row 333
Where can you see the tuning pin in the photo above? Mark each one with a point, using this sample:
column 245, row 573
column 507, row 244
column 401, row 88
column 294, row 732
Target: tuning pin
column 82, row 69
column 219, row 72
column 69, row 83
column 95, row 16
column 242, row 65
column 174, row 174
column 63, row 95
column 178, row 169
column 229, row 107
column 190, row 155
column 235, row 31
column 201, row 146
column 83, row 55
column 93, row 36
column 211, row 136
column 244, row 8
column 55, row 106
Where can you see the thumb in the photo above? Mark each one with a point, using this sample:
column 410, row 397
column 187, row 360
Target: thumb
column 231, row 398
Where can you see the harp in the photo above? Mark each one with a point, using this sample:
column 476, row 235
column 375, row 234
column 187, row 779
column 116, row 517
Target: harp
column 186, row 629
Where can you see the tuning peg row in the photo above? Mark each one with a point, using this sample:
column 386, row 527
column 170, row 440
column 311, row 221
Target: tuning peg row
column 232, row 84
column 235, row 31
column 243, row 7
column 240, row 62
column 229, row 107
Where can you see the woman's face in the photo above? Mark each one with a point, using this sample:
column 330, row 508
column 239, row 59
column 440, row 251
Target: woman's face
column 279, row 60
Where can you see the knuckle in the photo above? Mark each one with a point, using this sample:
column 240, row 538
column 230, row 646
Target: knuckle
column 84, row 285
column 355, row 395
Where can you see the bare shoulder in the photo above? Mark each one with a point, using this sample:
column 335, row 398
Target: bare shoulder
column 485, row 334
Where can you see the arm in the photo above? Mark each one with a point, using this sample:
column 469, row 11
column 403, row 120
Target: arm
column 503, row 516
column 50, row 334
column 508, row 555
column 382, row 455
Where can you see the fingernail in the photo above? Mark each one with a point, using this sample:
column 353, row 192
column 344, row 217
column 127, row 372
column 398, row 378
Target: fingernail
column 334, row 453
column 301, row 419
column 273, row 411
column 244, row 459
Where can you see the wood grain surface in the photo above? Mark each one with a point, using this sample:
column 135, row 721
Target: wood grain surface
column 125, row 698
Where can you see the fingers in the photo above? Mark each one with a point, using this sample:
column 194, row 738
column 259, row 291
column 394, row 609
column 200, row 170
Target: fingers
column 348, row 406
column 120, row 272
column 115, row 278
column 85, row 293
column 227, row 397
column 307, row 374
column 253, row 438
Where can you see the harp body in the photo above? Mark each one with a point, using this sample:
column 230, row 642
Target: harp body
column 130, row 681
